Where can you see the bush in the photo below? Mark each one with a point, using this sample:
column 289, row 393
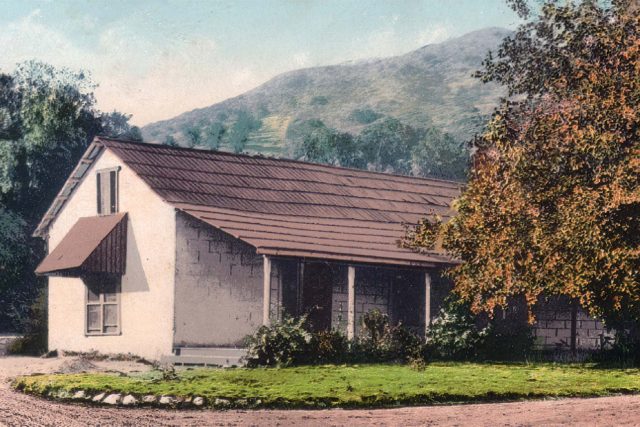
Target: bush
column 380, row 341
column 34, row 340
column 457, row 334
column 624, row 351
column 284, row 343
column 453, row 334
column 289, row 342
column 329, row 347
column 506, row 340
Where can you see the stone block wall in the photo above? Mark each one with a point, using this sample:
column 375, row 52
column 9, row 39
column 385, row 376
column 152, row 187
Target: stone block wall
column 399, row 293
column 553, row 326
column 218, row 291
column 373, row 291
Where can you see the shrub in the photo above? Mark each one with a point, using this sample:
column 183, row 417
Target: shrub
column 453, row 333
column 284, row 343
column 34, row 340
column 457, row 334
column 506, row 340
column 623, row 352
column 329, row 347
column 380, row 341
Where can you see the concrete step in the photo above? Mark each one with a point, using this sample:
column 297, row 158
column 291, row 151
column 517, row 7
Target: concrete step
column 206, row 356
column 211, row 351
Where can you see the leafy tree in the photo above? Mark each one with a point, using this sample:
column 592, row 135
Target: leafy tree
column 387, row 145
column 170, row 141
column 239, row 134
column 321, row 144
column 439, row 155
column 47, row 119
column 193, row 135
column 553, row 204
column 116, row 124
column 213, row 135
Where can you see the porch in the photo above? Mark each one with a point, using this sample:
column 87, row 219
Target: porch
column 335, row 295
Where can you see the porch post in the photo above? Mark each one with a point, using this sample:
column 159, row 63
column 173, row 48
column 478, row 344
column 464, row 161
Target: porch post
column 427, row 301
column 266, row 290
column 351, row 303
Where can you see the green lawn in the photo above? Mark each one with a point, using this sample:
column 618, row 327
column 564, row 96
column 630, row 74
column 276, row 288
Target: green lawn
column 354, row 386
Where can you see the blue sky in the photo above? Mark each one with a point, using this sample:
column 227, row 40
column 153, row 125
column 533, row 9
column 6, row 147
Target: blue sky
column 156, row 59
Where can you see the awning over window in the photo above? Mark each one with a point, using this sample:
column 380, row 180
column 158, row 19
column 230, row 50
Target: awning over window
column 93, row 245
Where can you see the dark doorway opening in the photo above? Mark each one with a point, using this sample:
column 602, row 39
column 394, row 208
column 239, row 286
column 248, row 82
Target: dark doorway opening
column 408, row 296
column 317, row 288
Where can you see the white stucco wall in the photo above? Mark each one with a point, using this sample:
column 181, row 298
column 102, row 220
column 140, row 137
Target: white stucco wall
column 146, row 301
column 218, row 299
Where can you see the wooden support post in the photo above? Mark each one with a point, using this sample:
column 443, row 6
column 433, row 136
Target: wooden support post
column 266, row 291
column 300, row 296
column 427, row 301
column 574, row 326
column 351, row 303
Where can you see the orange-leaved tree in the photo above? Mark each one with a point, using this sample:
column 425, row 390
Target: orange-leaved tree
column 553, row 200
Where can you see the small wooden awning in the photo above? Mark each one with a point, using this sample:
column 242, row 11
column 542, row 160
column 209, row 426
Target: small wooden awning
column 93, row 245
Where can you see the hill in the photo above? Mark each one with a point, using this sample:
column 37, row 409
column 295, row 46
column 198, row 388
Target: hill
column 431, row 86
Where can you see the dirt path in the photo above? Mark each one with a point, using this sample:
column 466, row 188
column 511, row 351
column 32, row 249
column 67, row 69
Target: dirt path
column 21, row 410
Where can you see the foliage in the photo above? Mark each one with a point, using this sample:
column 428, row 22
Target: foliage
column 328, row 347
column 193, row 135
column 47, row 119
column 283, row 343
column 439, row 155
column 239, row 134
column 321, row 144
column 213, row 135
column 453, row 334
column 387, row 145
column 365, row 386
column 553, row 205
column 506, row 339
column 624, row 351
column 34, row 340
column 457, row 334
column 170, row 141
column 380, row 341
column 364, row 116
column 290, row 342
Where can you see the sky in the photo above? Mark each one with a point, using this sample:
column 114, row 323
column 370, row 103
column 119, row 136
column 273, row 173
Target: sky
column 156, row 59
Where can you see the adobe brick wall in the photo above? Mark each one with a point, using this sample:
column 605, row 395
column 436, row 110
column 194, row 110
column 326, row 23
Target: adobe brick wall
column 218, row 296
column 553, row 326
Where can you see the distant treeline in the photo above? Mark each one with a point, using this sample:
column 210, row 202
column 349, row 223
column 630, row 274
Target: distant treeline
column 383, row 144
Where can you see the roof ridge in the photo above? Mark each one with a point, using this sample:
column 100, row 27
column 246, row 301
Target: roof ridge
column 282, row 159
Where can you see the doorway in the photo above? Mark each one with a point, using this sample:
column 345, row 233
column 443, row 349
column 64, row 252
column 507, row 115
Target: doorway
column 317, row 293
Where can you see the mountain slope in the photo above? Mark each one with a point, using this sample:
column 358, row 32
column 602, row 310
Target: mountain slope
column 431, row 86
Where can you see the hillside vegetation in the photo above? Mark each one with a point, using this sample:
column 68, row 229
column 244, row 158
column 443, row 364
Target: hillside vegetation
column 430, row 88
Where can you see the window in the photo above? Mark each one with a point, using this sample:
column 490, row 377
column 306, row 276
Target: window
column 107, row 191
column 103, row 305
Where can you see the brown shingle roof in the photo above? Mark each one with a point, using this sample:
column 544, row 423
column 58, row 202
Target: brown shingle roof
column 293, row 208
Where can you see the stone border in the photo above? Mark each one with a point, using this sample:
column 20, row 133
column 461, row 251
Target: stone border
column 107, row 398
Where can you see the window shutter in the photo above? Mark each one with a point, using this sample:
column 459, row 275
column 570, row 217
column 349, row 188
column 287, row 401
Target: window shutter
column 113, row 193
column 98, row 192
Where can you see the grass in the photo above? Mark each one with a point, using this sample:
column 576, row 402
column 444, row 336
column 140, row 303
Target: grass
column 353, row 386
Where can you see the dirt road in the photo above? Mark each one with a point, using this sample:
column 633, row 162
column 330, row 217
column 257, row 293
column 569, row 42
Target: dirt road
column 21, row 410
